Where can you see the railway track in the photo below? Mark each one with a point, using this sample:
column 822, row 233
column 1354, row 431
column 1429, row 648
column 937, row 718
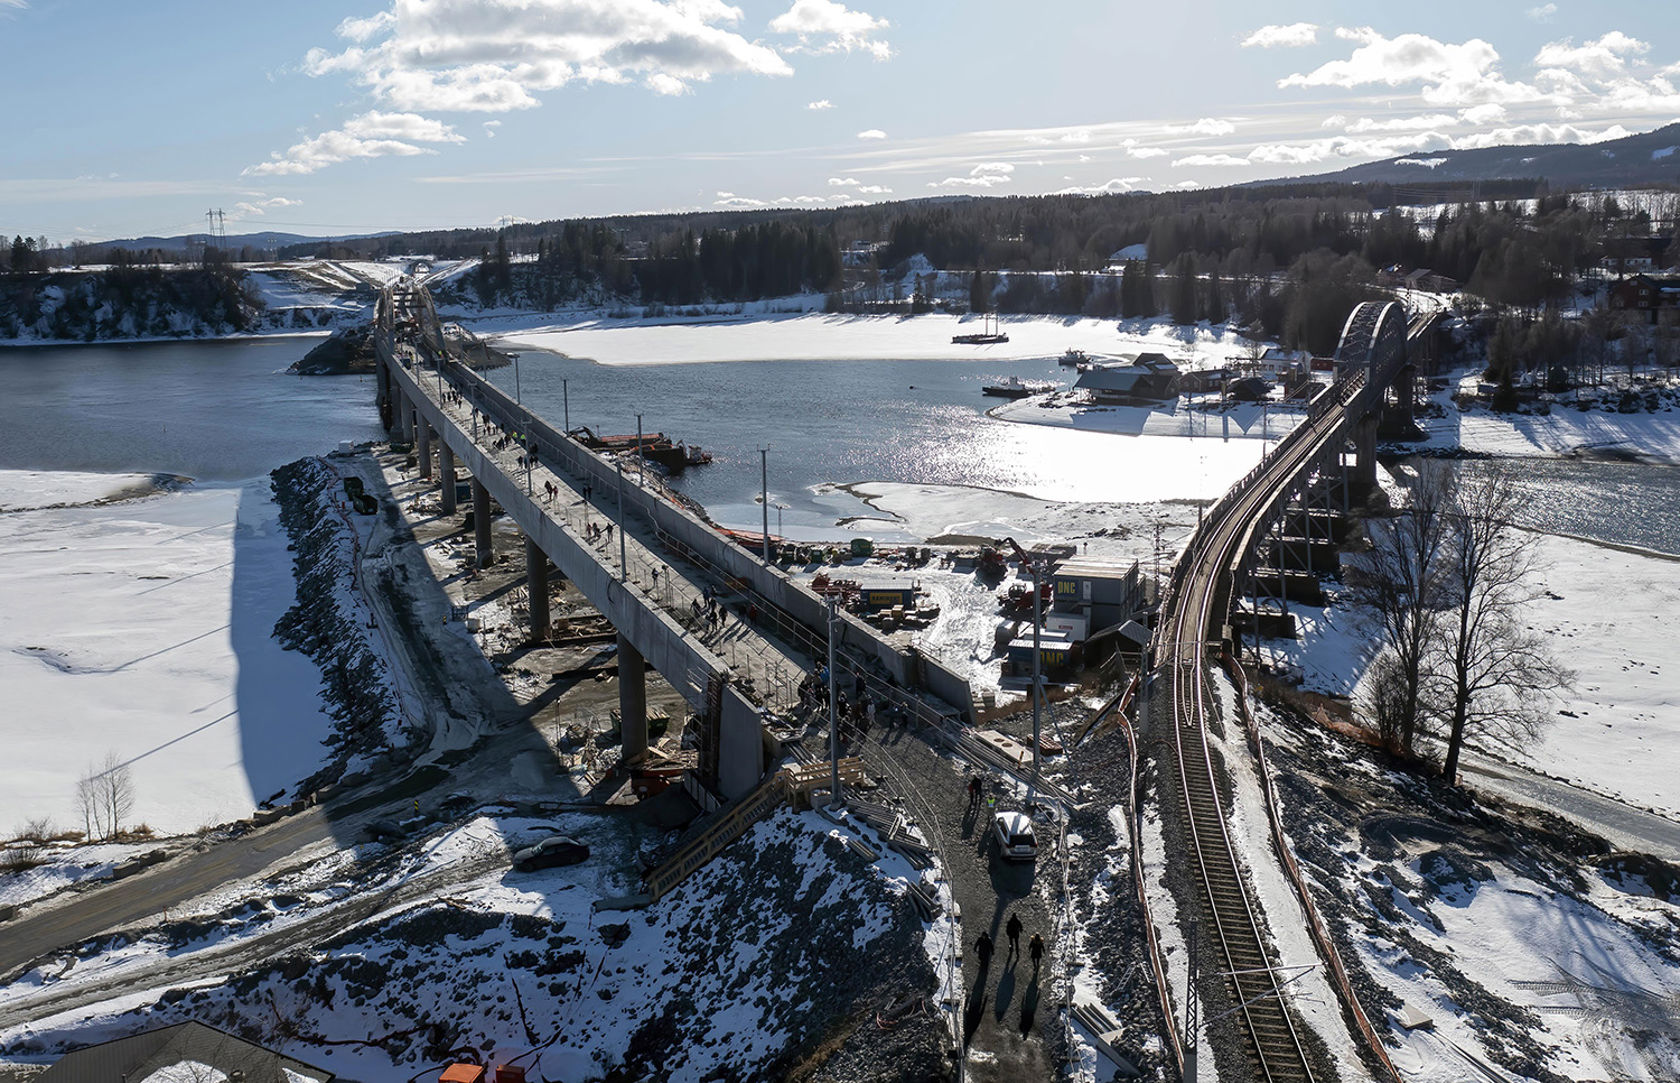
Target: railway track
column 1230, row 915
column 1197, row 595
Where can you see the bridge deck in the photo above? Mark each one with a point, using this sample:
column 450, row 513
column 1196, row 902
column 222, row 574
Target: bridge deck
column 770, row 666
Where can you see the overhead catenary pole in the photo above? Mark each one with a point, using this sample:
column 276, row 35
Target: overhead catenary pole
column 1190, row 1004
column 764, row 482
column 1038, row 621
column 833, row 714
column 641, row 456
column 516, row 396
column 623, row 560
column 566, row 406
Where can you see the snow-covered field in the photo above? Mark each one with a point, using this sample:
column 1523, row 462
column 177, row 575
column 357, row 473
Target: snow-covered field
column 818, row 337
column 1612, row 616
column 142, row 628
column 1514, row 951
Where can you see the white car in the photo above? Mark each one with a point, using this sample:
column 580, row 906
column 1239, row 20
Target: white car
column 1014, row 833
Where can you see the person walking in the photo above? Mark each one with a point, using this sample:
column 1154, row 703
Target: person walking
column 974, row 788
column 983, row 948
column 1014, row 931
column 1035, row 948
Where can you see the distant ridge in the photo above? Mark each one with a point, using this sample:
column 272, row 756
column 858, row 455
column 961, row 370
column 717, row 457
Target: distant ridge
column 268, row 239
column 1639, row 160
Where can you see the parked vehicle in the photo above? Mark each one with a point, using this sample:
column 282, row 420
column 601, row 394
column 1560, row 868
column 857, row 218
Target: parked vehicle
column 550, row 852
column 1014, row 834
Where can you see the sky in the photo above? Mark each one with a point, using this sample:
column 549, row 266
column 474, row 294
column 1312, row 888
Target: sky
column 336, row 116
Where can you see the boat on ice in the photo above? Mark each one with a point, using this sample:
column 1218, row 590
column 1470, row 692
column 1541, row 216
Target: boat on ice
column 991, row 332
column 1013, row 387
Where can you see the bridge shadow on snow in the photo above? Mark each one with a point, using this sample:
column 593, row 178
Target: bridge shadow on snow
column 284, row 726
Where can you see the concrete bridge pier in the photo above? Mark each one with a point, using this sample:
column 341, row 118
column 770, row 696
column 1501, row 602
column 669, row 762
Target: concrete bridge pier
column 406, row 409
column 446, row 475
column 536, row 586
column 481, row 524
column 1365, row 457
column 1405, row 392
column 632, row 700
column 424, row 449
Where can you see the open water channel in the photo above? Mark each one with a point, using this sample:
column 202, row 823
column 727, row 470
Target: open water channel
column 224, row 411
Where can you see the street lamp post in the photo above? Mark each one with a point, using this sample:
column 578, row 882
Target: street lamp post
column 516, row 396
column 641, row 456
column 566, row 406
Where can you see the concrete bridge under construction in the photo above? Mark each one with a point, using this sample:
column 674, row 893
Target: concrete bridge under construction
column 641, row 557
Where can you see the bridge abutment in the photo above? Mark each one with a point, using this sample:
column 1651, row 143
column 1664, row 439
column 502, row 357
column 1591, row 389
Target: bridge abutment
column 536, row 585
column 632, row 700
column 481, row 524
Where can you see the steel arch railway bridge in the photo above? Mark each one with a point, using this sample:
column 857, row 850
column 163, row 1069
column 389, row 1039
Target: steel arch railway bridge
column 1331, row 453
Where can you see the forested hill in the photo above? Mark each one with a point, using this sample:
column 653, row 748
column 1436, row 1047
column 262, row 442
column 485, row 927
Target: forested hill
column 1636, row 161
column 126, row 303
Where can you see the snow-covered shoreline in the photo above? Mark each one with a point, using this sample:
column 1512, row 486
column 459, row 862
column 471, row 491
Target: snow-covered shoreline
column 823, row 337
column 147, row 340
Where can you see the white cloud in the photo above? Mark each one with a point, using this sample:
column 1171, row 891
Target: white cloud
column 1343, row 147
column 17, row 4
column 1539, row 133
column 1292, row 35
column 1075, row 136
column 370, row 135
column 260, row 207
column 1145, row 152
column 874, row 189
column 1319, row 150
column 820, row 103
column 498, row 55
column 813, row 21
column 1204, row 126
column 1210, row 159
column 1486, row 113
column 1458, row 74
column 1110, row 187
column 872, row 133
column 1607, row 56
column 1543, row 13
column 731, row 201
column 668, row 85
column 984, row 175
column 490, row 127
column 1402, row 124
column 843, row 182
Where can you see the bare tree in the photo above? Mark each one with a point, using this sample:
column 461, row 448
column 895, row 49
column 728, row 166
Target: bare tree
column 87, row 804
column 1494, row 675
column 105, row 797
column 1401, row 579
